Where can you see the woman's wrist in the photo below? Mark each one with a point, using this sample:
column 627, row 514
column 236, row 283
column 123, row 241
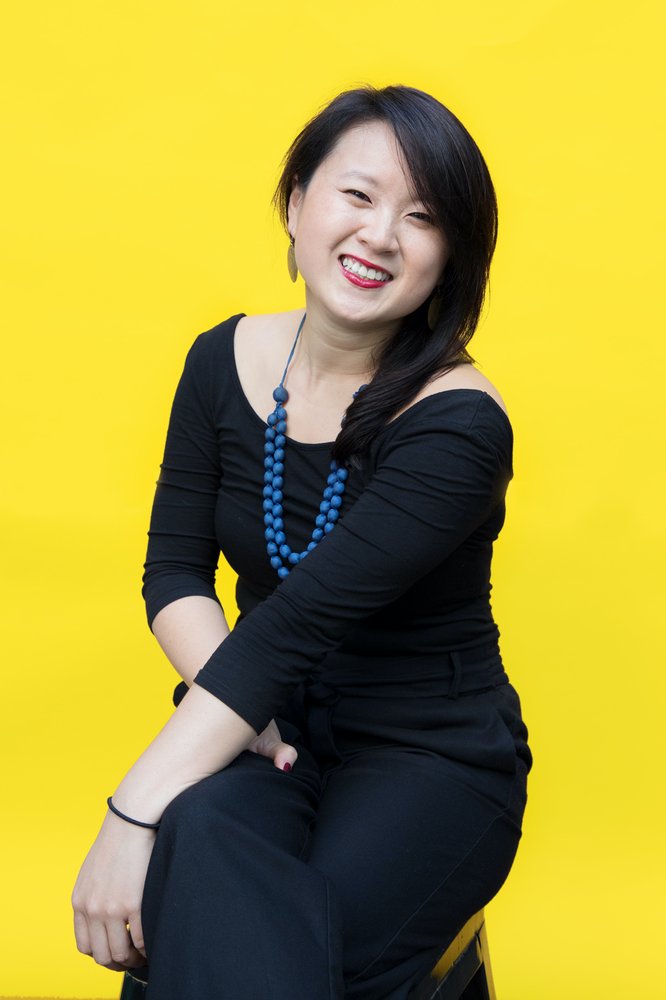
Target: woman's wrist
column 114, row 826
column 129, row 819
column 139, row 799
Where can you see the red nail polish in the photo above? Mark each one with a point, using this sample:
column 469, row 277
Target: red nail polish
column 287, row 767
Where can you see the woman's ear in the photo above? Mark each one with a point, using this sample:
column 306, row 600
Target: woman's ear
column 294, row 204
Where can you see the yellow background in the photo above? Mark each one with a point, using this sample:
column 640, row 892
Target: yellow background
column 141, row 146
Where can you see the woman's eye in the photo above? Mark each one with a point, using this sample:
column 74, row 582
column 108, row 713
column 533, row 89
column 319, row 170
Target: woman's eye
column 422, row 216
column 357, row 194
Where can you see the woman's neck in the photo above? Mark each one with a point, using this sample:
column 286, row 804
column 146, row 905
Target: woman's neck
column 328, row 351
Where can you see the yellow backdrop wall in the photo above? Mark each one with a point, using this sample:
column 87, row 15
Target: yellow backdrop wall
column 142, row 143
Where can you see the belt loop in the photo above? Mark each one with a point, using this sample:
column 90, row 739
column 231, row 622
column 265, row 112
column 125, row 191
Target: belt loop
column 457, row 674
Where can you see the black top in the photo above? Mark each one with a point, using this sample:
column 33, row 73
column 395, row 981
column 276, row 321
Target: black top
column 404, row 573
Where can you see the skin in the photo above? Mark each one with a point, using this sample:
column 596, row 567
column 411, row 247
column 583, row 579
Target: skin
column 340, row 212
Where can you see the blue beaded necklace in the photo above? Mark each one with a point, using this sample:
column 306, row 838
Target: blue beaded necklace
column 280, row 554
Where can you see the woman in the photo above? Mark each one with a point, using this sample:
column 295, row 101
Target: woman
column 366, row 655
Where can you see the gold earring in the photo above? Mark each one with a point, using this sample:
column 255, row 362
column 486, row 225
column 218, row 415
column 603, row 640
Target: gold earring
column 292, row 266
column 434, row 308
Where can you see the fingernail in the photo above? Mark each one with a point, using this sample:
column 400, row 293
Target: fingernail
column 287, row 767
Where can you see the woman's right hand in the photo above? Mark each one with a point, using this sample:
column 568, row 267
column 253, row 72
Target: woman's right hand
column 269, row 743
column 108, row 892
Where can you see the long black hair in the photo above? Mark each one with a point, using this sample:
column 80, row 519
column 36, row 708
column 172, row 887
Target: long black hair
column 450, row 177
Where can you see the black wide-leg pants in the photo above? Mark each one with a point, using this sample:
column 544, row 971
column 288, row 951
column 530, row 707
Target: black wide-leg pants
column 348, row 876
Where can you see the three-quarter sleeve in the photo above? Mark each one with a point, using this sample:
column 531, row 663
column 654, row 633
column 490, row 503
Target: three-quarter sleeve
column 183, row 552
column 438, row 478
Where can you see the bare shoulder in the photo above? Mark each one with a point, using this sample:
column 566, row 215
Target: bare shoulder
column 464, row 376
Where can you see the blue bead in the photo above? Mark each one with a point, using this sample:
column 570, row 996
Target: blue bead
column 272, row 419
column 320, row 520
column 278, row 482
column 280, row 394
column 276, row 562
column 269, row 534
column 332, row 479
column 343, row 474
column 311, row 546
column 268, row 491
column 280, row 537
column 325, row 506
column 268, row 520
column 283, row 572
column 269, row 433
column 339, row 488
column 278, row 523
column 268, row 476
column 278, row 468
column 281, row 426
column 294, row 557
column 269, row 448
column 333, row 466
column 328, row 492
column 280, row 441
column 336, row 501
column 271, row 548
column 276, row 509
column 333, row 514
column 284, row 551
column 276, row 496
column 268, row 462
column 329, row 527
column 279, row 454
column 268, row 505
column 317, row 534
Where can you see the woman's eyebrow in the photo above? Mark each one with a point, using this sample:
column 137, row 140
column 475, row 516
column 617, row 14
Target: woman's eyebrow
column 361, row 176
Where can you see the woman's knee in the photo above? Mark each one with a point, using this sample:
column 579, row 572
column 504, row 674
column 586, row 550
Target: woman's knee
column 250, row 794
column 213, row 797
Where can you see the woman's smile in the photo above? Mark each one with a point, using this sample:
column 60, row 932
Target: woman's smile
column 362, row 273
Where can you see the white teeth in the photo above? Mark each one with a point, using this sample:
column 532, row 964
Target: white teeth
column 350, row 264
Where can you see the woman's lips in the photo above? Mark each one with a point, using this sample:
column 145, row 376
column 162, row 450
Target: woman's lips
column 359, row 280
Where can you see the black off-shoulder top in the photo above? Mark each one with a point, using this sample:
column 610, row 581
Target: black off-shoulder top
column 405, row 572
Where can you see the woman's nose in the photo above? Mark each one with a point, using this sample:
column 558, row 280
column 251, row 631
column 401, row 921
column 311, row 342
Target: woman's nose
column 379, row 232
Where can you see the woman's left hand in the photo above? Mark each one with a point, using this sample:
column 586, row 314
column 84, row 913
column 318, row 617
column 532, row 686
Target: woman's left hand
column 269, row 744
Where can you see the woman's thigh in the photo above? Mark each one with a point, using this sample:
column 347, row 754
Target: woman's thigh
column 413, row 845
column 229, row 907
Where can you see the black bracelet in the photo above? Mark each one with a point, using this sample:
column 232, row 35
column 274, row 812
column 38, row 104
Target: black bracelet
column 137, row 822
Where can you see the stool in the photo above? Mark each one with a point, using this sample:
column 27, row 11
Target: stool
column 462, row 973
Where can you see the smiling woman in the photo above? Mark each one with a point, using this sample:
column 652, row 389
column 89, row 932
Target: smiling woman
column 351, row 464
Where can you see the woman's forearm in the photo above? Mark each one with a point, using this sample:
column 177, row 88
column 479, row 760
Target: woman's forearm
column 203, row 735
column 189, row 631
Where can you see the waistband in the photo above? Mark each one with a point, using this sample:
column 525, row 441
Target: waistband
column 447, row 674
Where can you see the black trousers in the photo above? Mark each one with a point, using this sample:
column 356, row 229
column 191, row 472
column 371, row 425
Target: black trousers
column 348, row 876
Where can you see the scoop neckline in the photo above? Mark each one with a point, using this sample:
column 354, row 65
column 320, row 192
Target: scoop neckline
column 313, row 445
